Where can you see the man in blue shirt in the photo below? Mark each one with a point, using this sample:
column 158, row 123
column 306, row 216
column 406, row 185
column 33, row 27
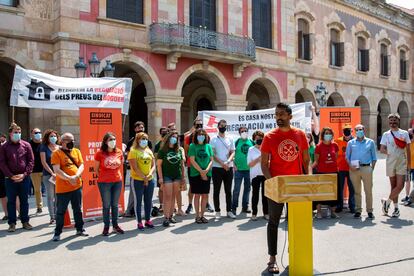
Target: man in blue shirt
column 361, row 156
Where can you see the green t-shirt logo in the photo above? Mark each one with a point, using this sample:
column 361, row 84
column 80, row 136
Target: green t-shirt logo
column 245, row 148
column 202, row 154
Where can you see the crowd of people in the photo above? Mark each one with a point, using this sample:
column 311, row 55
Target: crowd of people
column 51, row 160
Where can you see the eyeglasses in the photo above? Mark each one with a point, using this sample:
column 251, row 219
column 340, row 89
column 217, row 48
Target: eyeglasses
column 243, row 131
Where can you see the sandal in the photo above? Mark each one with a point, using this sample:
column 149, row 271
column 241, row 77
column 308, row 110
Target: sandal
column 272, row 268
column 204, row 220
column 198, row 220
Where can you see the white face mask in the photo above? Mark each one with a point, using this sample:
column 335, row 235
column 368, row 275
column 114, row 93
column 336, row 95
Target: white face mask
column 112, row 144
column 244, row 135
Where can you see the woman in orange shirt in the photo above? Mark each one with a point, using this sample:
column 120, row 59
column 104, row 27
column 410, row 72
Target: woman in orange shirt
column 108, row 167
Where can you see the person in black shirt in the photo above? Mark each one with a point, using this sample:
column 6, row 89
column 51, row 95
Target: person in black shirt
column 37, row 173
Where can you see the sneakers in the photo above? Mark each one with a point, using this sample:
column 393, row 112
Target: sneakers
column 149, row 224
column 357, row 215
column 231, row 215
column 189, row 209
column 405, row 199
column 172, row 220
column 82, row 233
column 39, row 211
column 371, row 215
column 12, row 228
column 396, row 213
column 166, row 223
column 266, row 217
column 218, row 215
column 408, row 202
column 5, row 218
column 118, row 230
column 56, row 238
column 27, row 226
column 385, row 206
column 209, row 208
column 254, row 217
column 140, row 226
column 246, row 210
column 105, row 231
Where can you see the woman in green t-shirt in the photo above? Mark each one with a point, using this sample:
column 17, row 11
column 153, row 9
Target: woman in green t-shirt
column 309, row 138
column 201, row 158
column 170, row 168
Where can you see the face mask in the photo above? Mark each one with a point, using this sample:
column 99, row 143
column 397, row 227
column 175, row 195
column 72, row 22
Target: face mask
column 327, row 137
column 360, row 133
column 243, row 135
column 163, row 134
column 112, row 144
column 197, row 126
column 16, row 137
column 53, row 140
column 143, row 143
column 347, row 132
column 38, row 136
column 173, row 140
column 222, row 129
column 200, row 139
column 70, row 145
column 259, row 141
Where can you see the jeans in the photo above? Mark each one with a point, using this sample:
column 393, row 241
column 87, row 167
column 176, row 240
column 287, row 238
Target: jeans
column 50, row 196
column 221, row 175
column 275, row 212
column 239, row 176
column 20, row 189
column 63, row 199
column 341, row 182
column 130, row 206
column 110, row 193
column 140, row 191
column 258, row 182
column 37, row 186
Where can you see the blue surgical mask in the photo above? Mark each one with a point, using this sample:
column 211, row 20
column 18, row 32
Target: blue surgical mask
column 16, row 137
column 173, row 140
column 143, row 143
column 360, row 134
column 53, row 140
column 201, row 138
column 38, row 136
column 327, row 137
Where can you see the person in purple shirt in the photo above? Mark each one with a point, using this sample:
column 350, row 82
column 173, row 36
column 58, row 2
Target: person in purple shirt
column 17, row 162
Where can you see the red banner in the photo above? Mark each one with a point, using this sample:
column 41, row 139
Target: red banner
column 94, row 123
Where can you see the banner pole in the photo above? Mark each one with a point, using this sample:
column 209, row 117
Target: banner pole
column 123, row 123
column 13, row 110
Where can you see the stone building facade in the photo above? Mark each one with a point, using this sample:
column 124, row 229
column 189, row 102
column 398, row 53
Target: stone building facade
column 184, row 58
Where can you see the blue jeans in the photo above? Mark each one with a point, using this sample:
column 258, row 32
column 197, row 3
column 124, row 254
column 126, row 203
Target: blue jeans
column 140, row 191
column 110, row 193
column 341, row 182
column 50, row 196
column 238, row 178
column 63, row 199
column 20, row 189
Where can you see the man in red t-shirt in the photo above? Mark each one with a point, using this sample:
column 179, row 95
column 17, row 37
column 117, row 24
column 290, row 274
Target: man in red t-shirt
column 284, row 152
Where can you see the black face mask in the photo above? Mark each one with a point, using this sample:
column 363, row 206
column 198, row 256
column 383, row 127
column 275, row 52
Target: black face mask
column 222, row 129
column 259, row 141
column 70, row 145
column 411, row 136
column 347, row 132
column 163, row 134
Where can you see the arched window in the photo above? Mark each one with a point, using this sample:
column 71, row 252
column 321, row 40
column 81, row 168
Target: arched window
column 336, row 49
column 126, row 10
column 384, row 60
column 403, row 65
column 262, row 23
column 304, row 40
column 203, row 14
column 363, row 55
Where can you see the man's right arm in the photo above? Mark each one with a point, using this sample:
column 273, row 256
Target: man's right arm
column 264, row 163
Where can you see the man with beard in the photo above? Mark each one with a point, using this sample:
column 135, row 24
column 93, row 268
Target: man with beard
column 284, row 152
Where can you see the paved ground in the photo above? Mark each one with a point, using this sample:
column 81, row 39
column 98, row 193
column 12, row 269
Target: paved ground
column 225, row 247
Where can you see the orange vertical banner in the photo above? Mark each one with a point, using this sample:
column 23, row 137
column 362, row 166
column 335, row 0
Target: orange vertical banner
column 94, row 123
column 336, row 117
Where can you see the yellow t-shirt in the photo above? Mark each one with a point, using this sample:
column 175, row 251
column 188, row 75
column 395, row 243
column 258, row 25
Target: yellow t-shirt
column 67, row 166
column 412, row 155
column 144, row 161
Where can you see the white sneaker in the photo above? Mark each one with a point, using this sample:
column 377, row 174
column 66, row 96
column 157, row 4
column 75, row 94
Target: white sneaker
column 396, row 213
column 218, row 215
column 231, row 215
column 266, row 217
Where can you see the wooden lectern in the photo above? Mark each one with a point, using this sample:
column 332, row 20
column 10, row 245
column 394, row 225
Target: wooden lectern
column 299, row 191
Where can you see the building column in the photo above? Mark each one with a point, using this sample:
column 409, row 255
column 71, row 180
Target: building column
column 162, row 110
column 371, row 132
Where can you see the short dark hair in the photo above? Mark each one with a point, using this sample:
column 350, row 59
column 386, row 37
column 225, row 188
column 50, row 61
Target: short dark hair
column 3, row 135
column 242, row 128
column 257, row 133
column 325, row 129
column 137, row 123
column 46, row 135
column 163, row 128
column 285, row 106
column 222, row 121
column 201, row 131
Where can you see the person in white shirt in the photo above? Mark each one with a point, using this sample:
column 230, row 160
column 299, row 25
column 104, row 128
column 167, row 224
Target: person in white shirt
column 257, row 178
column 223, row 148
column 395, row 143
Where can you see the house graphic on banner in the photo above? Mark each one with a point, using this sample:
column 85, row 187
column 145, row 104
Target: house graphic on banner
column 39, row 91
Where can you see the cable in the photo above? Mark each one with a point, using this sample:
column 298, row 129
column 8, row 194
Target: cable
column 284, row 243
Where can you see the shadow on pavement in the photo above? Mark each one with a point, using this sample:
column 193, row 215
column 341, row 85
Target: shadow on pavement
column 325, row 223
column 45, row 246
column 194, row 226
column 250, row 224
column 357, row 223
column 398, row 223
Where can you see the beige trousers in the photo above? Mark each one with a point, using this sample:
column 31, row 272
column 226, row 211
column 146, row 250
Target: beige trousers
column 37, row 185
column 364, row 174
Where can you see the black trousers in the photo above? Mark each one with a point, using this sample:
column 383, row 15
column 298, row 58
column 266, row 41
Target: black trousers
column 63, row 199
column 258, row 182
column 275, row 212
column 221, row 175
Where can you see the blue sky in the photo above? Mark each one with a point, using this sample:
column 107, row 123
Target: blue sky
column 409, row 4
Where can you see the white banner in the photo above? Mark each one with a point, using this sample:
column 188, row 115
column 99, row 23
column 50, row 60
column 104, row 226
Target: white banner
column 35, row 89
column 263, row 119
